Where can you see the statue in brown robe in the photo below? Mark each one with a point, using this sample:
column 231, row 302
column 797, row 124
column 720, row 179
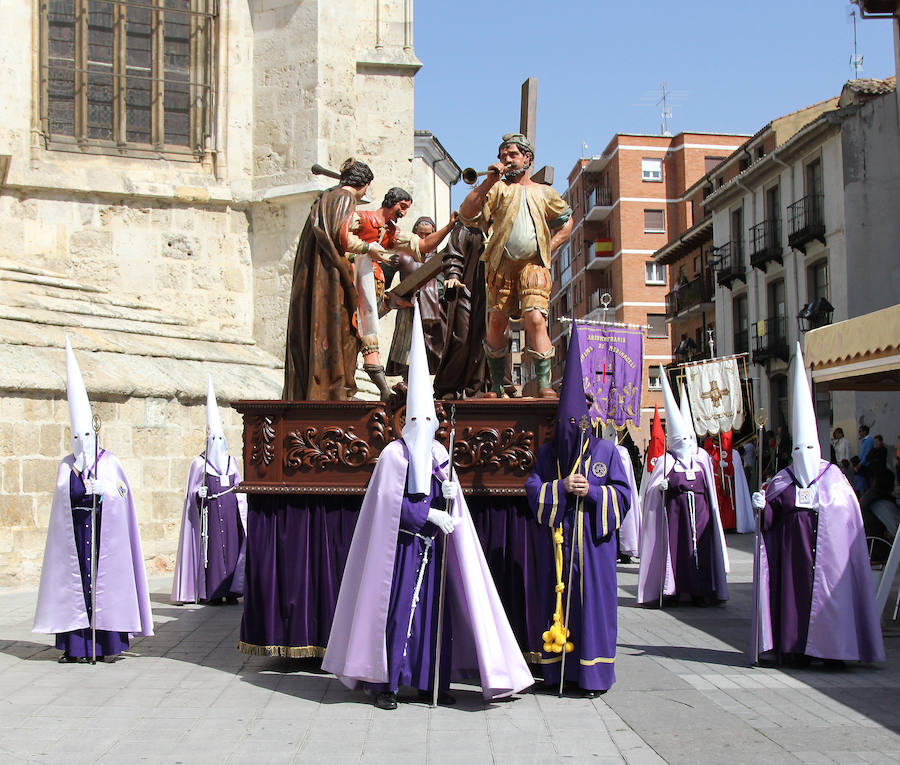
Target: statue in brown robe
column 322, row 343
column 461, row 372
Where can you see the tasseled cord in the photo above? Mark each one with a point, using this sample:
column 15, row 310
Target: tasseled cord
column 555, row 637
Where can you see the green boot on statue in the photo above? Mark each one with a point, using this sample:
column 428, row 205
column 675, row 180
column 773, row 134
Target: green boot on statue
column 496, row 363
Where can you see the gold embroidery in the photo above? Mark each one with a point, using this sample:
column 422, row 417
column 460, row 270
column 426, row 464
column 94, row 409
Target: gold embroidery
column 598, row 660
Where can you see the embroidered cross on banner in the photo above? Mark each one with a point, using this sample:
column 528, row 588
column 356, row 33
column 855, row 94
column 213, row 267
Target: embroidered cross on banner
column 714, row 394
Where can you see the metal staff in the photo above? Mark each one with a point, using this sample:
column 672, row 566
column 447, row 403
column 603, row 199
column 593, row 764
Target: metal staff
column 663, row 525
column 95, row 424
column 203, row 551
column 761, row 420
column 583, row 424
column 443, row 580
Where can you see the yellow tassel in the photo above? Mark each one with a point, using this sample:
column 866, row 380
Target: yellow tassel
column 555, row 638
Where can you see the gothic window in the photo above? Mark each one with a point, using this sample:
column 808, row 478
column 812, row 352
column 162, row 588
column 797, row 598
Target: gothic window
column 132, row 77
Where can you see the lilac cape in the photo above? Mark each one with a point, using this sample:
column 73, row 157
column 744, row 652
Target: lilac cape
column 630, row 530
column 742, row 507
column 123, row 601
column 184, row 584
column 483, row 641
column 844, row 621
column 653, row 548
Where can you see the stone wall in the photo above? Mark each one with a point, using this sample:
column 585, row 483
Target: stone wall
column 154, row 438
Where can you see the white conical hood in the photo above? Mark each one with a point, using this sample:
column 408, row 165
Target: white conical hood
column 609, row 433
column 421, row 419
column 685, row 408
column 680, row 438
column 80, row 415
column 216, row 445
column 806, row 452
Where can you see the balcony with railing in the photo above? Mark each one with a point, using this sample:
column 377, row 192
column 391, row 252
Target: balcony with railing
column 806, row 221
column 695, row 295
column 765, row 244
column 600, row 254
column 770, row 340
column 728, row 262
column 599, row 204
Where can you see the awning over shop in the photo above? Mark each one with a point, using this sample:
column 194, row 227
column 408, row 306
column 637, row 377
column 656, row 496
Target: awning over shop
column 857, row 354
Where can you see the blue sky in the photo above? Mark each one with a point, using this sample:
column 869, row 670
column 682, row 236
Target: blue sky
column 600, row 65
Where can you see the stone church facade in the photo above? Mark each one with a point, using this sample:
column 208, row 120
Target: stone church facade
column 154, row 177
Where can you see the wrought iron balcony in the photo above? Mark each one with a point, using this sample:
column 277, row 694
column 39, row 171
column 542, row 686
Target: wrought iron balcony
column 599, row 204
column 806, row 221
column 770, row 341
column 765, row 243
column 728, row 262
column 690, row 296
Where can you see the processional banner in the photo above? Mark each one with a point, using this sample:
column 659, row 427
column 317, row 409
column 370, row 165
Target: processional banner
column 612, row 364
column 714, row 390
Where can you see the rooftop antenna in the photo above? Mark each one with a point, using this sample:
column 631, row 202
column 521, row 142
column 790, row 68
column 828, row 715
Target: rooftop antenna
column 666, row 113
column 855, row 60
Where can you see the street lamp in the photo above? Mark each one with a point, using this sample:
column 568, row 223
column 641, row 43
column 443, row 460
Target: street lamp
column 816, row 314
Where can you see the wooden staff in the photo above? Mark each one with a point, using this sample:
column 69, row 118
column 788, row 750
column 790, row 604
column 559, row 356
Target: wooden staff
column 583, row 425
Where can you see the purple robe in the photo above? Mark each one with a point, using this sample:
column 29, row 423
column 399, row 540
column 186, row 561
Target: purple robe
column 80, row 643
column 630, row 530
column 227, row 518
column 410, row 646
column 672, row 541
column 592, row 622
column 483, row 643
column 816, row 591
column 123, row 601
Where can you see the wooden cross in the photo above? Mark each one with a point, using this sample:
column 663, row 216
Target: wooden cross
column 714, row 394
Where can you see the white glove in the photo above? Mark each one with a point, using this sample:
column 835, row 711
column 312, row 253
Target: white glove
column 92, row 486
column 758, row 500
column 377, row 252
column 449, row 489
column 664, row 485
column 203, row 492
column 442, row 520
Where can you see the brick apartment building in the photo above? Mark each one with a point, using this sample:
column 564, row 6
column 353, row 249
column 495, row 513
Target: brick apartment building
column 628, row 203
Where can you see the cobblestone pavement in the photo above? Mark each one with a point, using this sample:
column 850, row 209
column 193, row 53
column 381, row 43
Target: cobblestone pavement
column 684, row 694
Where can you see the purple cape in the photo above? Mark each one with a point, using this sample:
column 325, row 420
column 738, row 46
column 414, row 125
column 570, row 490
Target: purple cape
column 592, row 619
column 123, row 602
column 184, row 584
column 653, row 547
column 843, row 619
column 630, row 530
column 483, row 641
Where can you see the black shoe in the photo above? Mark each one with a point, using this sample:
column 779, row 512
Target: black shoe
column 444, row 698
column 66, row 659
column 624, row 558
column 231, row 600
column 592, row 694
column 386, row 700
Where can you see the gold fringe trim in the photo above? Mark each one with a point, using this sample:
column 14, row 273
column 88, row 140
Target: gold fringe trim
column 308, row 651
column 282, row 651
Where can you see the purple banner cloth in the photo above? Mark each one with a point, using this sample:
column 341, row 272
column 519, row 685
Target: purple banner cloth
column 123, row 601
column 840, row 611
column 612, row 363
